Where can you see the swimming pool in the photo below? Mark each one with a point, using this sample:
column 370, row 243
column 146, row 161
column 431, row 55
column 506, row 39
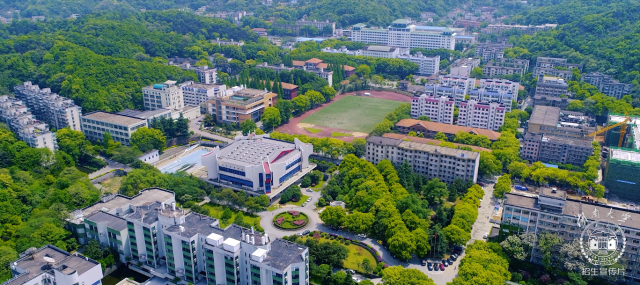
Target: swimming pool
column 193, row 158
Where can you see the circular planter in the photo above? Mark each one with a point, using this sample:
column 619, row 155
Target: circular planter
column 290, row 220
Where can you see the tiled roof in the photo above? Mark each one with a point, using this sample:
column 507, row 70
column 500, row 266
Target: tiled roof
column 435, row 142
column 448, row 129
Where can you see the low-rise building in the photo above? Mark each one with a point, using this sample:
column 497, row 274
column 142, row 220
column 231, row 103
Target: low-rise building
column 438, row 109
column 607, row 85
column 316, row 66
column 562, row 103
column 227, row 43
column 195, row 94
column 120, row 127
column 52, row 265
column 551, row 86
column 621, row 174
column 481, row 115
column 57, row 111
column 205, row 74
column 426, row 159
column 25, row 125
column 151, row 157
column 165, row 95
column 462, row 67
column 500, row 84
column 565, row 74
column 243, row 104
column 552, row 121
column 529, row 30
column 427, row 65
column 146, row 115
column 430, row 129
column 258, row 164
column 468, row 24
column 505, row 66
column 552, row 149
column 489, row 51
column 558, row 67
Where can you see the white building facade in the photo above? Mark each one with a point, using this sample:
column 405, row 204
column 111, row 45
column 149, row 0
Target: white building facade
column 196, row 93
column 120, row 127
column 481, row 115
column 59, row 112
column 402, row 33
column 165, row 95
column 25, row 125
column 438, row 109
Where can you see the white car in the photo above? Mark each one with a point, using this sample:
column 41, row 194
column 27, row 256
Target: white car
column 320, row 212
column 309, row 200
column 485, row 236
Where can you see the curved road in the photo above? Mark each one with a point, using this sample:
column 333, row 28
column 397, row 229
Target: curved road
column 481, row 226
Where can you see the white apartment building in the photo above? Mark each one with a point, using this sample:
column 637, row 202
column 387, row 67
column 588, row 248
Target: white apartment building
column 257, row 164
column 432, row 161
column 438, row 109
column 402, row 33
column 486, row 95
column 462, row 82
column 120, row 127
column 52, row 265
column 59, row 112
column 25, row 125
column 426, row 65
column 491, row 51
column 463, row 67
column 205, row 74
column 435, row 90
column 481, row 115
column 500, row 84
column 195, row 94
column 165, row 95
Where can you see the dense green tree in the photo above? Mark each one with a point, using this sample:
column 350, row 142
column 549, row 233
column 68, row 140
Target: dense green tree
column 333, row 216
column 271, row 117
column 248, row 126
column 145, row 139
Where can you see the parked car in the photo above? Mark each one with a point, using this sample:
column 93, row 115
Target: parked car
column 481, row 184
column 351, row 271
column 306, row 232
column 521, row 188
column 309, row 200
column 309, row 190
column 453, row 257
column 423, row 262
column 320, row 212
column 450, row 260
column 445, row 262
column 362, row 235
column 304, row 204
column 436, row 267
column 430, row 266
column 441, row 267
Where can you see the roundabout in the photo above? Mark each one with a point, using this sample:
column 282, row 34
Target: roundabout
column 290, row 220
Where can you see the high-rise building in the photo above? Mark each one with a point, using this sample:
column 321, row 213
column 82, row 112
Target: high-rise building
column 168, row 242
column 500, row 84
column 165, row 95
column 438, row 109
column 621, row 174
column 462, row 67
column 481, row 115
column 426, row 159
column 25, row 125
column 57, row 111
column 402, row 33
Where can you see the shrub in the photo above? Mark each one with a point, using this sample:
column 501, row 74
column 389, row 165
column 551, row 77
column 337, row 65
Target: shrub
column 346, row 242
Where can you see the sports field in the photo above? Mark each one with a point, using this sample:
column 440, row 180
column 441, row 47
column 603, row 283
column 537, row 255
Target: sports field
column 353, row 113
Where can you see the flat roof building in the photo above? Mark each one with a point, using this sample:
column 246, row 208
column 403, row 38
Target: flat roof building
column 25, row 125
column 491, row 51
column 505, row 66
column 462, row 67
column 607, row 85
column 57, row 111
column 146, row 115
column 621, row 174
column 552, row 149
column 562, row 103
column 403, row 33
column 242, row 104
column 551, row 86
column 120, row 127
column 482, row 115
column 195, row 94
column 529, row 30
column 443, row 163
column 165, row 95
column 552, row 121
column 258, row 164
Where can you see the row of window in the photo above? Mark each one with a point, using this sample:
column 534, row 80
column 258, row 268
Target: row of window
column 232, row 171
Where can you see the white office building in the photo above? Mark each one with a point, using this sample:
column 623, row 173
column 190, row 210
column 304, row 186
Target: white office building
column 258, row 164
column 52, row 265
column 195, row 94
column 402, row 33
column 165, row 95
column 57, row 111
column 426, row 65
column 120, row 127
column 438, row 109
column 481, row 115
column 25, row 125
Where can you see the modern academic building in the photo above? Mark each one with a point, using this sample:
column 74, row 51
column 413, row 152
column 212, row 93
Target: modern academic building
column 165, row 241
column 258, row 164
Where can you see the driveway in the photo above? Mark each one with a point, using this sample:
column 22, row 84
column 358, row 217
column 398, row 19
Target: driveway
column 195, row 127
column 111, row 165
column 480, row 227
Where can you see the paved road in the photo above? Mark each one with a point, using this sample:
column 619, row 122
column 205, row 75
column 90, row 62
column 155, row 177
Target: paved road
column 195, row 127
column 111, row 165
column 481, row 227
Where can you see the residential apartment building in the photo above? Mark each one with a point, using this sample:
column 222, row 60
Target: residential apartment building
column 553, row 72
column 165, row 95
column 552, row 149
column 120, row 127
column 481, row 115
column 258, row 164
column 316, row 66
column 462, row 67
column 426, row 159
column 25, row 125
column 491, row 51
column 552, row 121
column 402, row 33
column 195, row 94
column 500, row 84
column 561, row 103
column 463, row 82
column 486, row 95
column 557, row 67
column 52, row 265
column 430, row 129
column 227, row 43
column 468, row 24
column 436, row 90
column 505, row 66
column 57, row 111
column 607, row 85
column 529, row 30
column 438, row 109
column 551, row 86
column 552, row 211
column 243, row 104
column 169, row 243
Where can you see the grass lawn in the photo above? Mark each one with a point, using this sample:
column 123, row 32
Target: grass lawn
column 112, row 185
column 313, row 130
column 355, row 257
column 353, row 113
column 299, row 203
column 318, row 186
column 273, row 207
column 339, row 134
column 216, row 212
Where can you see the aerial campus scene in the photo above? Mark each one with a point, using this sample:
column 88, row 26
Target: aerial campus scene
column 327, row 142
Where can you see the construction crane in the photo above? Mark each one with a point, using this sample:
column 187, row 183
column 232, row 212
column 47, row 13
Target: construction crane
column 623, row 129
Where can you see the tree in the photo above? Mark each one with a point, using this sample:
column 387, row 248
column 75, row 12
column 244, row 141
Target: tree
column 271, row 117
column 125, row 154
column 333, row 216
column 329, row 253
column 249, row 126
column 292, row 193
column 476, row 72
column 434, row 191
column 502, row 186
column 422, row 242
column 519, row 247
column 360, row 146
column 397, row 275
column 358, row 222
column 93, row 250
column 363, row 70
column 286, row 108
column 424, row 118
column 328, row 92
column 301, row 104
column 440, row 136
column 315, row 97
column 456, row 235
column 145, row 139
column 74, row 144
column 209, row 121
column 366, row 265
column 489, row 164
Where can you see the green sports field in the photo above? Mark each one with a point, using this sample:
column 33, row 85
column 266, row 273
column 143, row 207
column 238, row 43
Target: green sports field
column 353, row 113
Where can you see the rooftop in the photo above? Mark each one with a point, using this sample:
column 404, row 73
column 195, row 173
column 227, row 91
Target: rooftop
column 113, row 118
column 112, row 221
column 448, row 129
column 421, row 146
column 283, row 253
column 430, row 141
column 553, row 193
column 143, row 114
column 255, row 151
column 545, row 115
column 110, row 203
column 625, row 155
column 380, row 48
column 195, row 223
